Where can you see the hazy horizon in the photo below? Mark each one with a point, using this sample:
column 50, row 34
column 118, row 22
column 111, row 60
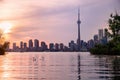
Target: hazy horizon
column 55, row 20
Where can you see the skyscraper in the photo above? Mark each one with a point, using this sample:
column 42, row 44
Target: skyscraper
column 57, row 47
column 25, row 45
column 72, row 46
column 78, row 22
column 96, row 41
column 100, row 32
column 61, row 46
column 51, row 46
column 14, row 46
column 30, row 44
column 21, row 45
column 43, row 46
column 36, row 43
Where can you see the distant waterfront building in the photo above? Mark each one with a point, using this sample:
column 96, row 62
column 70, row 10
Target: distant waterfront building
column 96, row 37
column 81, row 43
column 25, row 45
column 51, row 46
column 21, row 45
column 66, row 48
column 83, row 46
column 61, row 46
column 36, row 44
column 104, row 40
column 100, row 33
column 14, row 46
column 57, row 47
column 72, row 46
column 96, row 41
column 30, row 44
column 43, row 46
column 105, row 36
column 90, row 44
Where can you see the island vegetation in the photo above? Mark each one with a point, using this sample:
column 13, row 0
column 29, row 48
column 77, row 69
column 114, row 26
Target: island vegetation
column 3, row 44
column 112, row 33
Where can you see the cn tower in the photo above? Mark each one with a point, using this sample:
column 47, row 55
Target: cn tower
column 79, row 22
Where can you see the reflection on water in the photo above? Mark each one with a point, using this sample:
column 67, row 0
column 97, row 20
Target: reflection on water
column 79, row 77
column 116, row 68
column 59, row 66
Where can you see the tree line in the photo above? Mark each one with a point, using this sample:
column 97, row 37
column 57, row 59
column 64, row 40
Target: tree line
column 113, row 33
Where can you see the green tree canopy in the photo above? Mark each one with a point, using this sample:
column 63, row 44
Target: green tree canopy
column 114, row 26
column 113, row 46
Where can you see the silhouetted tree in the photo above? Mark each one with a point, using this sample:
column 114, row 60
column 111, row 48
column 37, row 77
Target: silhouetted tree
column 113, row 46
column 114, row 26
column 107, row 33
column 3, row 43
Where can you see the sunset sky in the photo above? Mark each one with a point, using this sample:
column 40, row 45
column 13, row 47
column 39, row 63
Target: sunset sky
column 54, row 20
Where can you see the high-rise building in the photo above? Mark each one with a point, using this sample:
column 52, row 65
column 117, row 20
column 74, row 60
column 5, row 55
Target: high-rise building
column 14, row 46
column 25, row 45
column 96, row 41
column 90, row 44
column 96, row 37
column 30, row 44
column 100, row 33
column 36, row 43
column 57, row 47
column 21, row 45
column 78, row 22
column 72, row 46
column 61, row 46
column 51, row 46
column 43, row 46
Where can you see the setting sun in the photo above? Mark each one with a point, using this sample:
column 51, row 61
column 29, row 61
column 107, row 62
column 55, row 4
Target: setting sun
column 5, row 26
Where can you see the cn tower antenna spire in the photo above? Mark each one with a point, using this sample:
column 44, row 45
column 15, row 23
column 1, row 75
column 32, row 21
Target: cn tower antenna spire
column 79, row 22
column 78, row 13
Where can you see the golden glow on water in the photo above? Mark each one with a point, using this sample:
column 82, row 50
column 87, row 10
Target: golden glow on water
column 5, row 68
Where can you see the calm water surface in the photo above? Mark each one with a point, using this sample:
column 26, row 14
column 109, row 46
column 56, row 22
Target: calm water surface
column 59, row 66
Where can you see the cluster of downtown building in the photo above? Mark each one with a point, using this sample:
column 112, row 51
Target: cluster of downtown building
column 79, row 45
column 35, row 45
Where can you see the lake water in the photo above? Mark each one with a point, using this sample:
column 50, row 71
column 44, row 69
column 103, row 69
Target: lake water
column 59, row 66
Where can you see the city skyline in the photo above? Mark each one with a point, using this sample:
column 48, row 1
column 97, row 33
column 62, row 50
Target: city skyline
column 39, row 46
column 53, row 22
